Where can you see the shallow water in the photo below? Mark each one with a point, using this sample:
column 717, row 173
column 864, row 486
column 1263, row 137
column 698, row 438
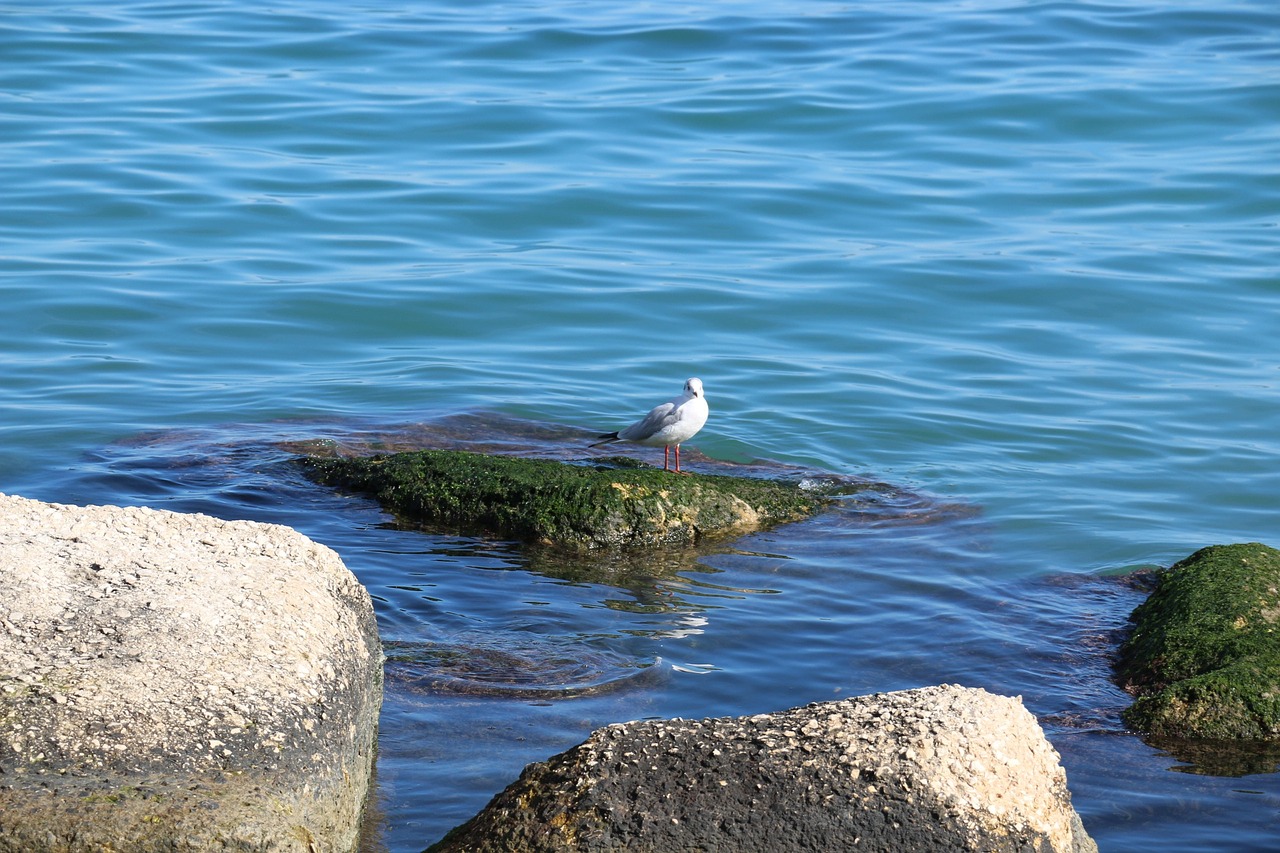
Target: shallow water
column 1018, row 260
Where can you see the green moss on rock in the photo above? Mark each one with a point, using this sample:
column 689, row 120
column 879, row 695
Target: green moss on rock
column 1204, row 656
column 551, row 502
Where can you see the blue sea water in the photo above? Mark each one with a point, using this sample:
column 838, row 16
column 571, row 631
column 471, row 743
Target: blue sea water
column 1019, row 259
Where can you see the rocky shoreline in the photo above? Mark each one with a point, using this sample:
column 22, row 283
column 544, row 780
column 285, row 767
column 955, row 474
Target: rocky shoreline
column 179, row 682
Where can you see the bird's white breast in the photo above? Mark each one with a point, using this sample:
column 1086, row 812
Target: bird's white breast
column 689, row 417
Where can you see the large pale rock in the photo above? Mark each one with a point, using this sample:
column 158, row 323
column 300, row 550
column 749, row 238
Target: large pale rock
column 176, row 682
column 939, row 768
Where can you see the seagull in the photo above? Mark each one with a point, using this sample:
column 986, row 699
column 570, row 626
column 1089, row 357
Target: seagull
column 668, row 424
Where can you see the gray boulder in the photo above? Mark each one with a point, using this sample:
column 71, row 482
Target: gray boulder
column 939, row 768
column 176, row 682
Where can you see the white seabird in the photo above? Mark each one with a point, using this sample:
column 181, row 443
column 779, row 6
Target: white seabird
column 667, row 425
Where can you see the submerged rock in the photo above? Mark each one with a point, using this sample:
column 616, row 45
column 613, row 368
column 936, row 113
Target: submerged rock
column 176, row 682
column 939, row 768
column 550, row 502
column 1204, row 655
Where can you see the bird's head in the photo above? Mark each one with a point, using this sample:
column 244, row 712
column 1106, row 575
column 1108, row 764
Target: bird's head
column 693, row 387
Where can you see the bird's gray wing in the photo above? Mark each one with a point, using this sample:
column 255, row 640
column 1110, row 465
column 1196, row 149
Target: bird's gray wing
column 658, row 417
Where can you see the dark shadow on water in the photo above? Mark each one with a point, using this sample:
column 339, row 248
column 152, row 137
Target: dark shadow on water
column 1220, row 758
column 515, row 668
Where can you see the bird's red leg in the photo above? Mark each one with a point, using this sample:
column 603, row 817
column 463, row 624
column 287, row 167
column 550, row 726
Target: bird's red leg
column 678, row 471
column 666, row 454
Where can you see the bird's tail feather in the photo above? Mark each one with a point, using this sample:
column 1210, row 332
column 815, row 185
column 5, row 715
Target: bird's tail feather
column 607, row 438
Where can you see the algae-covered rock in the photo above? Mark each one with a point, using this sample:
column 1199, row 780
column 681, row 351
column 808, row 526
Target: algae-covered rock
column 1204, row 656
column 542, row 500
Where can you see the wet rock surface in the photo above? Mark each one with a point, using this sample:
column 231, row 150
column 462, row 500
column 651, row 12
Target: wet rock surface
column 178, row 682
column 1204, row 655
column 939, row 768
column 553, row 503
